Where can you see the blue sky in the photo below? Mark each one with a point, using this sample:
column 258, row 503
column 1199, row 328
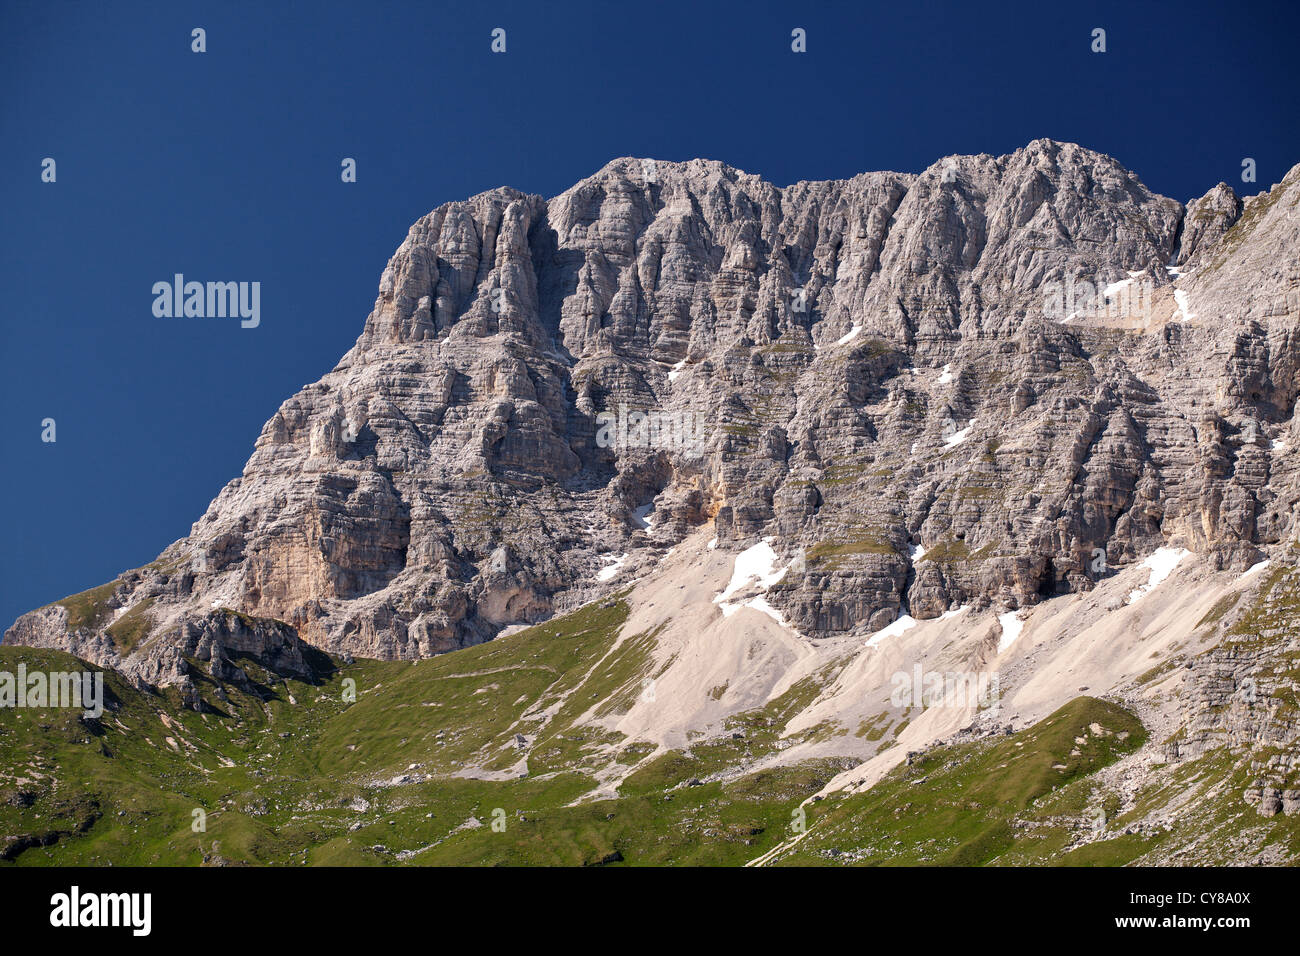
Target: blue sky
column 225, row 166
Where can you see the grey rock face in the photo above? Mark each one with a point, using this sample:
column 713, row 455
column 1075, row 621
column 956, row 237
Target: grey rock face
column 1206, row 221
column 1240, row 695
column 872, row 369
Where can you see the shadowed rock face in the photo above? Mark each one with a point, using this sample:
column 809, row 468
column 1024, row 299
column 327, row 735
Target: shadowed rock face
column 873, row 368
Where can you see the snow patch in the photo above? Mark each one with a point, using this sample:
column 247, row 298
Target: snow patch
column 1011, row 628
column 952, row 441
column 753, row 565
column 946, row 375
column 904, row 622
column 1162, row 562
column 606, row 573
column 641, row 517
column 758, row 604
column 676, row 370
column 916, row 553
column 1114, row 287
column 853, row 334
column 1254, row 568
column 1184, row 312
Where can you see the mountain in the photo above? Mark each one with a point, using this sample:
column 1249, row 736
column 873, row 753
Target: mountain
column 1015, row 429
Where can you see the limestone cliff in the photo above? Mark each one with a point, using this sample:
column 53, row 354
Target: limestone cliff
column 989, row 383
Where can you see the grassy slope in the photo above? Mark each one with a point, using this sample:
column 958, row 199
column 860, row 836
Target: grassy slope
column 300, row 776
column 959, row 805
column 1030, row 799
column 293, row 773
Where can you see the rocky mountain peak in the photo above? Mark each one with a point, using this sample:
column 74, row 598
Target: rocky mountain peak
column 984, row 384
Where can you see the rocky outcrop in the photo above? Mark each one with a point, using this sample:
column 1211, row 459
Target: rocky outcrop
column 1205, row 222
column 928, row 389
column 143, row 627
column 1243, row 695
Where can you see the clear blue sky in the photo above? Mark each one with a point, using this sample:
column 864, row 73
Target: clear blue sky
column 225, row 166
